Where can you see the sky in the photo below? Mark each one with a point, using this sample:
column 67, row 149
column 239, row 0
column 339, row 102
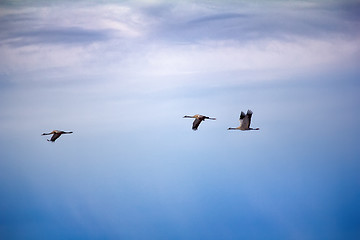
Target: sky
column 122, row 74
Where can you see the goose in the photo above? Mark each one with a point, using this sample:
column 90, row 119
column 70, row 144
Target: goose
column 56, row 134
column 198, row 119
column 245, row 121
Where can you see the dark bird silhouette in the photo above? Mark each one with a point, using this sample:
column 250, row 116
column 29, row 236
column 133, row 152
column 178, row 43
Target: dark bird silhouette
column 56, row 135
column 245, row 121
column 198, row 119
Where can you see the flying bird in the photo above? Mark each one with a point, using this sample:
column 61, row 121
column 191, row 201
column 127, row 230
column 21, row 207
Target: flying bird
column 245, row 121
column 198, row 119
column 56, row 135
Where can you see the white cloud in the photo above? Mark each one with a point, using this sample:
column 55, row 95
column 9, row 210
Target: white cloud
column 285, row 57
column 136, row 43
column 149, row 61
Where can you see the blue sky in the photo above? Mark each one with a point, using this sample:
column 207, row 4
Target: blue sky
column 121, row 74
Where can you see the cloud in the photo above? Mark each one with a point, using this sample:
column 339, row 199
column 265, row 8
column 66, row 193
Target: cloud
column 177, row 22
column 137, row 44
column 77, row 25
column 213, row 56
column 241, row 21
column 58, row 36
column 218, row 17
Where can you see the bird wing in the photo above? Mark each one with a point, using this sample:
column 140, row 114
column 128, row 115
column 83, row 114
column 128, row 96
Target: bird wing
column 55, row 136
column 247, row 119
column 241, row 119
column 196, row 123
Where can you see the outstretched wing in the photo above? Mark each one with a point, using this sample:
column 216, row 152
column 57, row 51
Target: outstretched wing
column 196, row 123
column 247, row 119
column 241, row 119
column 55, row 136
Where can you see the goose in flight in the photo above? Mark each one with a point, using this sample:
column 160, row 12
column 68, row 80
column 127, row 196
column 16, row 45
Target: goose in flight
column 56, row 134
column 245, row 121
column 198, row 119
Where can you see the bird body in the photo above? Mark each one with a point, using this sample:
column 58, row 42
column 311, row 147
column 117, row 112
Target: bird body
column 198, row 119
column 55, row 134
column 245, row 121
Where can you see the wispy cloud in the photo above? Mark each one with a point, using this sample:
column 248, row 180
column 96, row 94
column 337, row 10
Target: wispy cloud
column 52, row 36
column 172, row 36
column 138, row 48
